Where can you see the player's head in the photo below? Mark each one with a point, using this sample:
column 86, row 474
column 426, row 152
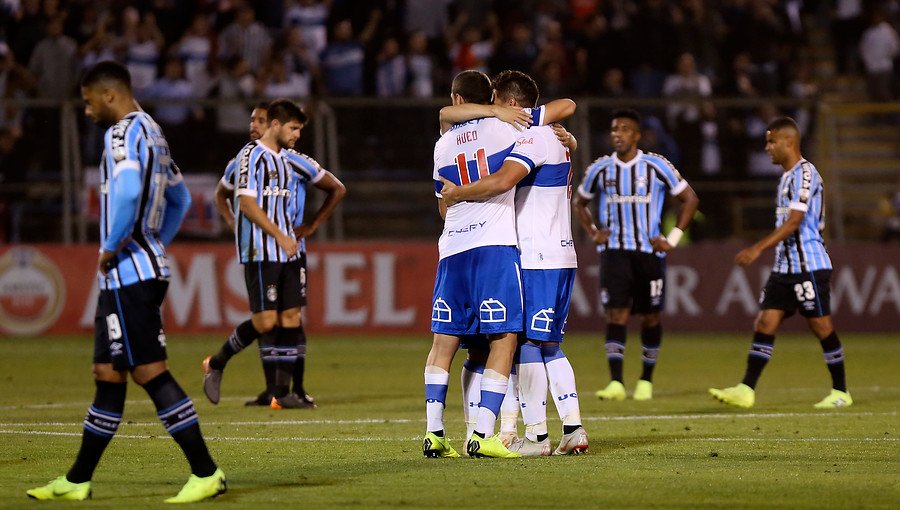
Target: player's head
column 259, row 120
column 515, row 88
column 104, row 87
column 783, row 140
column 625, row 130
column 471, row 87
column 286, row 119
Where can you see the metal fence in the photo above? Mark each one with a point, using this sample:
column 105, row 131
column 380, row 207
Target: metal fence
column 382, row 150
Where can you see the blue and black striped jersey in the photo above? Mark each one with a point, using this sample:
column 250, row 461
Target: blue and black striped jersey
column 630, row 197
column 801, row 189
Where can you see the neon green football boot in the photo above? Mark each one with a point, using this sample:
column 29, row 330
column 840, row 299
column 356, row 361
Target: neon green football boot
column 489, row 447
column 197, row 489
column 61, row 489
column 613, row 391
column 740, row 395
column 437, row 447
column 835, row 399
column 643, row 390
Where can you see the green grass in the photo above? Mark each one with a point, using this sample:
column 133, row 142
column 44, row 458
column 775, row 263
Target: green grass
column 361, row 448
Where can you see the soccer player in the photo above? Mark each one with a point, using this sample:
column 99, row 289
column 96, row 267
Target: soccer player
column 308, row 171
column 539, row 167
column 801, row 278
column 143, row 202
column 267, row 247
column 630, row 186
column 477, row 287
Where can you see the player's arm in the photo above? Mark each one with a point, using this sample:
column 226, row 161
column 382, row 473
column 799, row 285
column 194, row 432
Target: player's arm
column 582, row 208
column 178, row 202
column 487, row 187
column 334, row 192
column 520, row 118
column 746, row 256
column 689, row 204
column 126, row 192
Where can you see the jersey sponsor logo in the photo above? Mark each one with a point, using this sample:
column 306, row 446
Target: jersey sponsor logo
column 543, row 320
column 492, row 310
column 441, row 312
column 32, row 292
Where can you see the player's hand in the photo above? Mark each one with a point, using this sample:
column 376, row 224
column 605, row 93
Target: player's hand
column 518, row 117
column 746, row 256
column 105, row 261
column 660, row 244
column 563, row 136
column 288, row 244
column 601, row 236
column 449, row 193
column 305, row 230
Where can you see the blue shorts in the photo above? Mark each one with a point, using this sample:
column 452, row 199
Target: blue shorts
column 478, row 291
column 548, row 293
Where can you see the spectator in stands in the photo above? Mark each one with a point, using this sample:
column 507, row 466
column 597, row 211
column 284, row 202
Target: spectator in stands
column 245, row 38
column 311, row 17
column 343, row 58
column 194, row 48
column 683, row 117
column 54, row 64
column 420, row 65
column 391, row 72
column 878, row 47
column 143, row 44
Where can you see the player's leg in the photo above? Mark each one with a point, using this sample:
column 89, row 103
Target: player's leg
column 470, row 381
column 817, row 310
column 437, row 381
column 616, row 281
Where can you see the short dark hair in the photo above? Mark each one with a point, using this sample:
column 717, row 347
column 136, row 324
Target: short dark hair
column 107, row 71
column 627, row 113
column 473, row 86
column 783, row 123
column 284, row 111
column 517, row 85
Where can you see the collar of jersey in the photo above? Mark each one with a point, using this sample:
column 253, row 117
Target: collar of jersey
column 634, row 160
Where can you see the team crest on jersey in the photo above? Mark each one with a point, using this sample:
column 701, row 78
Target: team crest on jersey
column 492, row 310
column 272, row 293
column 542, row 320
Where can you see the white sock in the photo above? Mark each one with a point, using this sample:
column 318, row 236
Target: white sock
column 509, row 409
column 436, row 382
column 493, row 389
column 471, row 391
column 562, row 387
column 533, row 394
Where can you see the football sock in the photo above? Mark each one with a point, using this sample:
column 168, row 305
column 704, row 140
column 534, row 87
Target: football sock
column 100, row 425
column 651, row 337
column 509, row 408
column 436, row 382
column 493, row 389
column 300, row 364
column 834, row 360
column 177, row 414
column 241, row 337
column 562, row 384
column 533, row 389
column 760, row 354
column 470, row 381
column 616, row 335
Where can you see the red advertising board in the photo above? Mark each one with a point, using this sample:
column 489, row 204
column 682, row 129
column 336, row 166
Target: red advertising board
column 386, row 288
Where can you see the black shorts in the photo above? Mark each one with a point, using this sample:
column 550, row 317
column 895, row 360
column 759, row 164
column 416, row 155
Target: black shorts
column 810, row 293
column 128, row 327
column 276, row 285
column 632, row 279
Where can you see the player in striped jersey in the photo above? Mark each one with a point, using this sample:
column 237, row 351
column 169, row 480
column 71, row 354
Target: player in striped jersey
column 801, row 278
column 143, row 202
column 539, row 168
column 630, row 187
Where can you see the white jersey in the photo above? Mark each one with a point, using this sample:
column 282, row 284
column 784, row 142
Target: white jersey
column 543, row 211
column 465, row 153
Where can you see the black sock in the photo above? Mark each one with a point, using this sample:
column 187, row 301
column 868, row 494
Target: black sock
column 615, row 349
column 287, row 341
column 834, row 360
column 241, row 337
column 760, row 354
column 300, row 365
column 651, row 338
column 177, row 414
column 568, row 429
column 100, row 425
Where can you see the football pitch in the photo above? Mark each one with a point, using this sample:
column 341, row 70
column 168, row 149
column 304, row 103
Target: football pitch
column 362, row 447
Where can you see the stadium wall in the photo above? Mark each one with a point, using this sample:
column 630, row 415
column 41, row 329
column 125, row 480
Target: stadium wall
column 386, row 287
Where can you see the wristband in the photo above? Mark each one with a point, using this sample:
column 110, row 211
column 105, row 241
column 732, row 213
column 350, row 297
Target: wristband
column 674, row 236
